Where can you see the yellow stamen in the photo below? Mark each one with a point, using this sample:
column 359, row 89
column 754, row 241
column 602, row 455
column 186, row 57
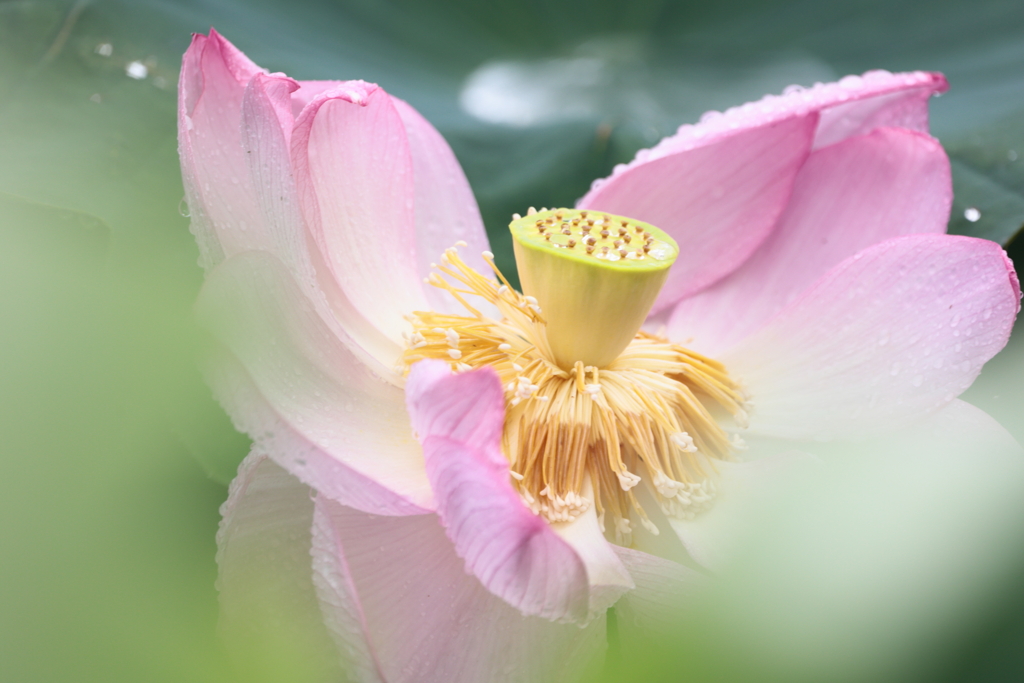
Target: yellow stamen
column 646, row 414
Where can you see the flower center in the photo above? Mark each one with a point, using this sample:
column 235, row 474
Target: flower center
column 593, row 404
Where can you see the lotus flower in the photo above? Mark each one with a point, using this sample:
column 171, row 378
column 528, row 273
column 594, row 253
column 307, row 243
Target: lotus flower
column 455, row 481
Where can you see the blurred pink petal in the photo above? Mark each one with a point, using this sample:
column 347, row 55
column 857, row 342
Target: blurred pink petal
column 265, row 576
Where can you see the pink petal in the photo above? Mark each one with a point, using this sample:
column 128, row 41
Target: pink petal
column 514, row 553
column 221, row 200
column 311, row 381
column 719, row 219
column 891, row 334
column 718, row 198
column 354, row 171
column 269, row 610
column 398, row 600
column 446, row 211
column 847, row 197
column 267, row 127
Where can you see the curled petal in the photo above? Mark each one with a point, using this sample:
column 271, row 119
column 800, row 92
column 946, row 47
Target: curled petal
column 893, row 333
column 267, row 122
column 399, row 602
column 566, row 576
column 847, row 197
column 354, row 173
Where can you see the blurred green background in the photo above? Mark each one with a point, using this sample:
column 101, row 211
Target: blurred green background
column 115, row 458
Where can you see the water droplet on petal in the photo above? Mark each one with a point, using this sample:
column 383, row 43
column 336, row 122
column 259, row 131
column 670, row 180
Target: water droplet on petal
column 972, row 214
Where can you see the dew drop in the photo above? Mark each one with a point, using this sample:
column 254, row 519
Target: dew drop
column 918, row 380
column 183, row 208
column 895, row 370
column 136, row 70
column 972, row 214
column 1011, row 155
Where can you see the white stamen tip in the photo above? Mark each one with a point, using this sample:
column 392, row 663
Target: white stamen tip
column 627, row 480
column 455, row 354
column 684, row 441
column 592, row 389
column 487, row 255
column 461, row 243
column 516, row 216
column 504, row 347
column 516, row 475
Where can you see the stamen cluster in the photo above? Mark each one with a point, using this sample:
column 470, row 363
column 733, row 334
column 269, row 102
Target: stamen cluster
column 588, row 435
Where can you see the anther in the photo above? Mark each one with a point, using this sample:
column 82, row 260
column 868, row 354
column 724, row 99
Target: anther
column 516, row 217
